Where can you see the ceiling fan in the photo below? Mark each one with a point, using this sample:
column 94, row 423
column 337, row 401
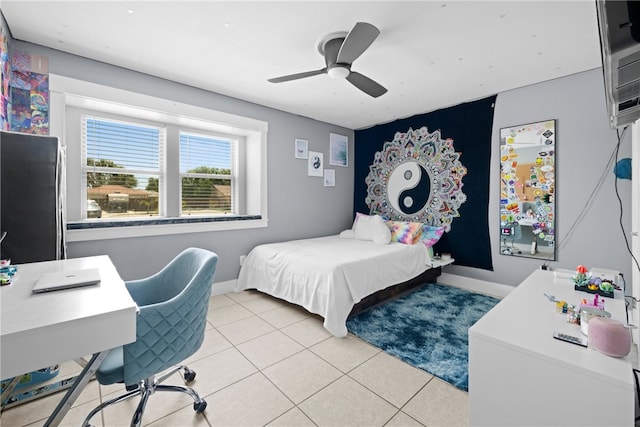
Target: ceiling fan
column 340, row 50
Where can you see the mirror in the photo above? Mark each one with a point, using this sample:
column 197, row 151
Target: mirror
column 527, row 190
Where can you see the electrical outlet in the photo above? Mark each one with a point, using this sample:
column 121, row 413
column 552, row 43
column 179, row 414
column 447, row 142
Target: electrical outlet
column 242, row 258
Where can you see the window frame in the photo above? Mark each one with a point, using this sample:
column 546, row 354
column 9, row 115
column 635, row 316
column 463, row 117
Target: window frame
column 160, row 172
column 233, row 177
column 69, row 96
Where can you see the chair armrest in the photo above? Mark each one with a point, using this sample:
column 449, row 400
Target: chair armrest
column 142, row 291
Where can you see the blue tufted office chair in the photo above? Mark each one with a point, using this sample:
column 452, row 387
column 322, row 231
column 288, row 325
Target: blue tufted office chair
column 170, row 327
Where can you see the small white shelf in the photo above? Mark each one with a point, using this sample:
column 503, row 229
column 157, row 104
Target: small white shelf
column 439, row 263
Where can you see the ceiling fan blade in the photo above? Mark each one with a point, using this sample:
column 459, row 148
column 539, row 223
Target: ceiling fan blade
column 366, row 85
column 357, row 41
column 331, row 49
column 297, row 76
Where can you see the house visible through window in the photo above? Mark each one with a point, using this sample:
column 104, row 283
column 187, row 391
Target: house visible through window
column 122, row 168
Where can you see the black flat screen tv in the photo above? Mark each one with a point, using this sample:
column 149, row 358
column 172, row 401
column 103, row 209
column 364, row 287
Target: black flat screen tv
column 619, row 26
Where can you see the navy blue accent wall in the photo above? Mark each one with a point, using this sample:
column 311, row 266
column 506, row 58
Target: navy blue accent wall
column 469, row 125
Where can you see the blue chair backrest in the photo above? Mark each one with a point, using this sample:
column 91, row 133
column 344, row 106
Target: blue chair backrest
column 173, row 314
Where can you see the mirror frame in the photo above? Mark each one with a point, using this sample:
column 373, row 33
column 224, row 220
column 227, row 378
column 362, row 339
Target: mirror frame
column 527, row 190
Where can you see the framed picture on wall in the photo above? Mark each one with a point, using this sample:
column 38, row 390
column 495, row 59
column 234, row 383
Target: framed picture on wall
column 315, row 164
column 301, row 149
column 338, row 150
column 329, row 177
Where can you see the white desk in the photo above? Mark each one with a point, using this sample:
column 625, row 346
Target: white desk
column 520, row 375
column 41, row 330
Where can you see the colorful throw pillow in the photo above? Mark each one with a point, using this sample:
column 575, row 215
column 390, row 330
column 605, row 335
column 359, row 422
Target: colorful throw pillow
column 431, row 234
column 405, row 231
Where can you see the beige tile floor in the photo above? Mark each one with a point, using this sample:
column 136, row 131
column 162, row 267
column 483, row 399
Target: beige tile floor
column 266, row 362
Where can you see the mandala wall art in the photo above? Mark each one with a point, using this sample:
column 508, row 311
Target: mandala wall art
column 417, row 177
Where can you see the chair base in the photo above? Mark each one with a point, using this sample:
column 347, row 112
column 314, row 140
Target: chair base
column 148, row 387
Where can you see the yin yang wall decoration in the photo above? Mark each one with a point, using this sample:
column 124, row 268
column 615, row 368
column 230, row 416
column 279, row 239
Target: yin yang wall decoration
column 417, row 177
column 315, row 164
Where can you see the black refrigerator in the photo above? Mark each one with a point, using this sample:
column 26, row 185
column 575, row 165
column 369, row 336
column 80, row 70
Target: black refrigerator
column 31, row 198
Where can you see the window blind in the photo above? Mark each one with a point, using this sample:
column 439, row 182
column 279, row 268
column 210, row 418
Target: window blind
column 207, row 174
column 122, row 165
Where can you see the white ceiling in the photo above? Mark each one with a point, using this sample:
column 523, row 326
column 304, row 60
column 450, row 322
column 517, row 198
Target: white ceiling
column 429, row 55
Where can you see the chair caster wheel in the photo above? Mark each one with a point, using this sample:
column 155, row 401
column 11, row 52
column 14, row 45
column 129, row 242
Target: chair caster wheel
column 199, row 407
column 189, row 375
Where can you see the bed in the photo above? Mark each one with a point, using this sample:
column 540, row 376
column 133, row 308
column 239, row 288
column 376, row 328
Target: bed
column 330, row 275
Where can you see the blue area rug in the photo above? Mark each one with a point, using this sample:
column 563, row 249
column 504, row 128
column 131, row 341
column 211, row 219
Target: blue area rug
column 428, row 329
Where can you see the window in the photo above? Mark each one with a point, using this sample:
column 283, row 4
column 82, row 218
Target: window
column 123, row 170
column 122, row 166
column 207, row 174
column 178, row 168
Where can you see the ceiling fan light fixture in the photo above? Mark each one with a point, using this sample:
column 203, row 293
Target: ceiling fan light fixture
column 338, row 72
column 339, row 51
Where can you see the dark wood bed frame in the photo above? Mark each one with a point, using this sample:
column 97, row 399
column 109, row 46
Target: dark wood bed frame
column 396, row 291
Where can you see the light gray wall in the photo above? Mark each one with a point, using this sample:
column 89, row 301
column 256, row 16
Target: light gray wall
column 299, row 206
column 584, row 144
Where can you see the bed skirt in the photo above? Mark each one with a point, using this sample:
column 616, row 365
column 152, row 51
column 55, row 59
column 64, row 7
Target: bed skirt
column 396, row 291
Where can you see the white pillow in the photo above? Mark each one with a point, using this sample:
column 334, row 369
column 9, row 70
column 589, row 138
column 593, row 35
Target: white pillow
column 348, row 234
column 373, row 228
column 358, row 216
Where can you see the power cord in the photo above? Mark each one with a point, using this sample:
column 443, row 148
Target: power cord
column 627, row 298
column 588, row 202
column 624, row 234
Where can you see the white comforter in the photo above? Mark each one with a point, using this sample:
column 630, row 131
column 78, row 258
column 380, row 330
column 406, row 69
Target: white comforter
column 328, row 275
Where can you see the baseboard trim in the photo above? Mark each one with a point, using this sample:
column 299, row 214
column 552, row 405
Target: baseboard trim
column 488, row 288
column 225, row 287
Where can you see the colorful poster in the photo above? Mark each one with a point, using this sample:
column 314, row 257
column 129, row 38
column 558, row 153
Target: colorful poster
column 4, row 78
column 29, row 92
column 21, row 110
column 20, row 61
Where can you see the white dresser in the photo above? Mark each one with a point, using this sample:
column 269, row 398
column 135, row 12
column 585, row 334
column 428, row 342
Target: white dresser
column 520, row 375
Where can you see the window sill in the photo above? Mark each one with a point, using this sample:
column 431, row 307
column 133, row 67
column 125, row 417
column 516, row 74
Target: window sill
column 78, row 231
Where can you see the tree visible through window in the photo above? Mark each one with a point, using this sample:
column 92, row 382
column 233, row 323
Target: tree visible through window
column 206, row 170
